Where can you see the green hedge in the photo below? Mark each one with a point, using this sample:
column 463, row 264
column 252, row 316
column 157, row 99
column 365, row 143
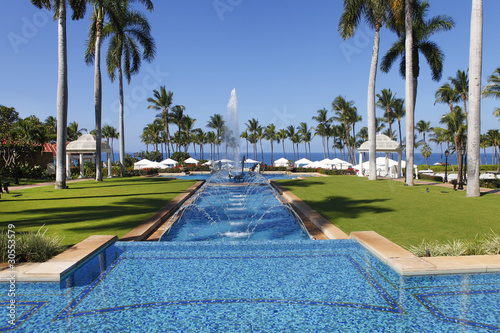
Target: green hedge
column 429, row 177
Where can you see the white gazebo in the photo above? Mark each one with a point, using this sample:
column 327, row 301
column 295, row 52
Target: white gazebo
column 302, row 161
column 82, row 146
column 386, row 145
column 282, row 162
column 169, row 162
column 191, row 161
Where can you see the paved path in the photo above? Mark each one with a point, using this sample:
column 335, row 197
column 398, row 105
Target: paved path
column 15, row 188
column 447, row 185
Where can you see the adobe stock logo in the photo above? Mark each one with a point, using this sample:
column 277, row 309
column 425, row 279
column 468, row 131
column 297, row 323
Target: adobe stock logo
column 356, row 44
column 29, row 29
column 223, row 6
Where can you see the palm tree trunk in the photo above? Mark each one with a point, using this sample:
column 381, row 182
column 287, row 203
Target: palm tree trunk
column 328, row 146
column 283, row 143
column 372, row 128
column 400, row 138
column 122, row 121
column 62, row 98
column 410, row 96
column 474, row 121
column 323, row 141
column 272, row 152
column 98, row 101
column 261, row 151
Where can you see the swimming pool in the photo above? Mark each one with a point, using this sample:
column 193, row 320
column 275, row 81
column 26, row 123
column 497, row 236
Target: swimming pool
column 224, row 210
column 206, row 176
column 266, row 286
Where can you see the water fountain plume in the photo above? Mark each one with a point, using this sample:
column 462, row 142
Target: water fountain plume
column 232, row 132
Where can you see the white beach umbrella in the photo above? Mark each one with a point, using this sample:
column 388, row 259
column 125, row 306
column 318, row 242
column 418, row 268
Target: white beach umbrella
column 250, row 161
column 168, row 162
column 302, row 161
column 281, row 162
column 191, row 161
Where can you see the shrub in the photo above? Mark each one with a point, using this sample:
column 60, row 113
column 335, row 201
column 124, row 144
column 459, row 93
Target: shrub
column 180, row 156
column 486, row 244
column 490, row 183
column 349, row 172
column 31, row 246
column 430, row 177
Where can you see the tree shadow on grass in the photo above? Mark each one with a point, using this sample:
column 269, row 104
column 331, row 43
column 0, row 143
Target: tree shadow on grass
column 127, row 182
column 131, row 210
column 289, row 183
column 90, row 197
column 344, row 207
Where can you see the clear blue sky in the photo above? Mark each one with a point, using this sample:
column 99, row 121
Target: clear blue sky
column 285, row 59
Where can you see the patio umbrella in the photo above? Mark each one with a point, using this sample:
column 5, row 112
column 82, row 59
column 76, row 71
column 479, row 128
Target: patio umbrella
column 191, row 161
column 169, row 161
column 302, row 161
column 281, row 162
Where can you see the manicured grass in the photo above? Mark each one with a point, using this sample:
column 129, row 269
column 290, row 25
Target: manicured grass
column 405, row 215
column 112, row 207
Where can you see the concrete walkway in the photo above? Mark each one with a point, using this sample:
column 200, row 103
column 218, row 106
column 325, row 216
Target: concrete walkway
column 22, row 187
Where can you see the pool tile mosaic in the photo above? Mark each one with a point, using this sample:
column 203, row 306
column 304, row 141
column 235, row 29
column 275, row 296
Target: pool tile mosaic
column 292, row 286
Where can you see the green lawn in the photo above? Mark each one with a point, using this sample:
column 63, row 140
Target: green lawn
column 405, row 215
column 112, row 207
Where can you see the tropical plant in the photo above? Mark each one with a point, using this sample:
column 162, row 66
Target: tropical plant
column 306, row 134
column 59, row 7
column 399, row 112
column 253, row 127
column 124, row 55
column 290, row 133
column 281, row 135
column 386, row 102
column 407, row 47
column 161, row 102
column 423, row 127
column 270, row 134
column 342, row 109
column 426, row 152
column 217, row 123
column 454, row 121
column 323, row 120
column 73, row 132
column 110, row 132
column 375, row 13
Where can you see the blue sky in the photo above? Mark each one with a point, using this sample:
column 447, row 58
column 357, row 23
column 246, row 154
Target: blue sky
column 285, row 59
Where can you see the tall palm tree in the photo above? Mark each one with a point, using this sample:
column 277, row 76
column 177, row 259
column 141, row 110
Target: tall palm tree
column 281, row 135
column 51, row 126
column 438, row 136
column 322, row 119
column 260, row 136
column 110, row 132
column 290, row 133
column 211, row 140
column 423, row 127
column 73, row 132
column 161, row 102
column 446, row 94
column 217, row 123
column 59, row 7
column 124, row 55
column 102, row 9
column 399, row 112
column 494, row 140
column 455, row 123
column 414, row 39
column 386, row 102
column 270, row 133
column 305, row 132
column 253, row 127
column 342, row 108
column 244, row 135
column 461, row 86
column 375, row 13
column 176, row 117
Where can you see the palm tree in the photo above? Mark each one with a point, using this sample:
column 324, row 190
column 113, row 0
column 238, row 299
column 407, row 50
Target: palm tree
column 201, row 139
column 342, row 107
column 110, row 132
column 426, row 152
column 270, row 133
column 305, row 132
column 399, row 112
column 493, row 88
column 386, row 102
column 162, row 101
column 217, row 123
column 211, row 140
column 323, row 120
column 461, row 86
column 290, row 133
column 454, row 121
column 375, row 13
column 423, row 127
column 438, row 136
column 261, row 135
column 124, row 55
column 253, row 127
column 59, row 7
column 187, row 128
column 494, row 140
column 244, row 135
column 73, row 132
column 102, row 9
column 446, row 94
column 407, row 48
column 50, row 124
column 281, row 136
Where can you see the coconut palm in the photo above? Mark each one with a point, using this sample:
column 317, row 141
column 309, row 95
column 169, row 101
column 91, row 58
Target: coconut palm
column 50, row 124
column 323, row 120
column 375, row 13
column 342, row 108
column 447, row 94
column 407, row 47
column 281, row 136
column 290, row 133
column 244, row 135
column 438, row 136
column 386, row 102
column 217, row 123
column 270, row 133
column 399, row 111
column 423, row 127
column 493, row 88
column 124, row 55
column 211, row 140
column 73, row 132
column 455, row 123
column 305, row 132
column 253, row 127
column 161, row 102
column 59, row 7
column 493, row 137
column 110, row 132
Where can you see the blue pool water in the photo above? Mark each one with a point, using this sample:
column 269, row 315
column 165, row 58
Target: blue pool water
column 266, row 286
column 224, row 210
